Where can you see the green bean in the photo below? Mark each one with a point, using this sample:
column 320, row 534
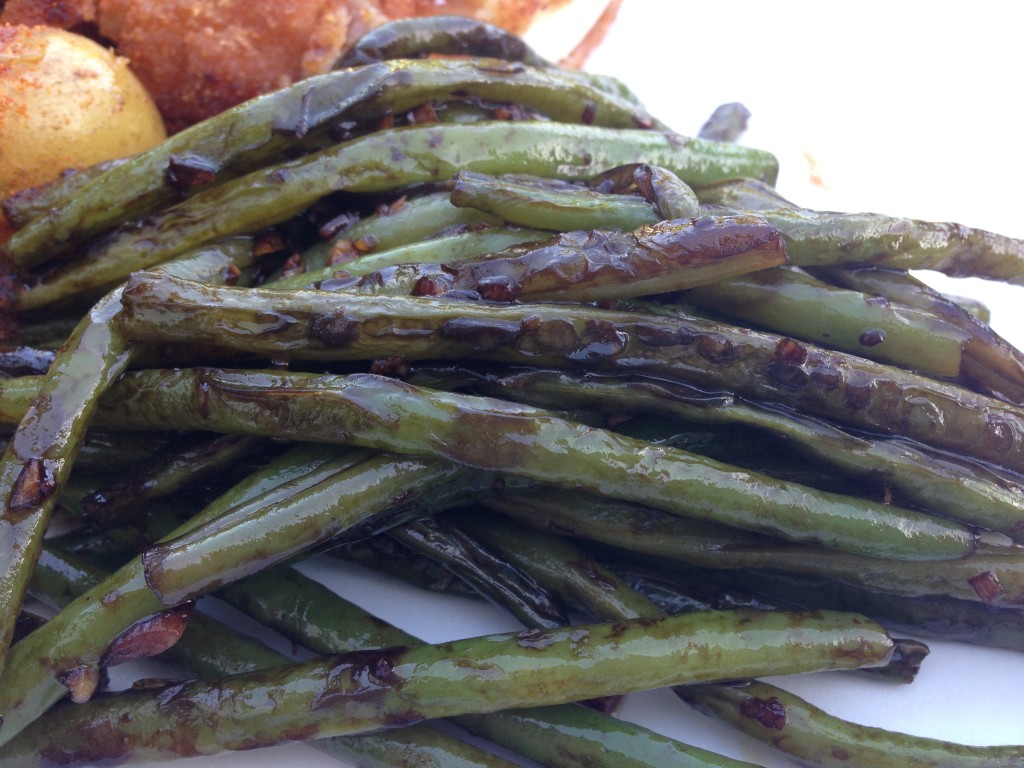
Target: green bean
column 495, row 575
column 559, row 567
column 988, row 359
column 312, row 615
column 463, row 246
column 180, row 569
column 454, row 35
column 817, row 238
column 929, row 617
column 364, row 691
column 491, row 576
column 38, row 668
column 670, row 197
column 581, row 265
column 407, row 222
column 813, row 737
column 412, row 746
column 741, row 195
column 944, row 484
column 995, row 363
column 191, row 462
column 604, row 594
column 897, row 286
column 556, row 94
column 845, row 388
column 791, row 302
column 418, row 154
column 106, row 452
column 210, row 648
column 562, row 726
column 27, row 204
column 698, row 590
column 992, row 579
column 287, row 600
column 540, row 203
column 206, row 646
column 531, row 203
column 256, row 128
column 704, row 589
column 107, row 548
column 264, row 126
column 38, row 459
column 367, row 410
column 386, row 556
column 828, row 239
column 574, row 736
column 309, row 614
column 595, row 265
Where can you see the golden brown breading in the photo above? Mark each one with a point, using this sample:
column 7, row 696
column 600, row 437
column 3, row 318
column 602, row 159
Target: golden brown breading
column 200, row 57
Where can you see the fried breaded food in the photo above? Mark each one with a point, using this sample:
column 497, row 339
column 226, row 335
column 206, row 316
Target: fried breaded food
column 199, row 57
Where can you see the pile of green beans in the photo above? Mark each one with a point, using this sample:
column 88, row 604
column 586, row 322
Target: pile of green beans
column 487, row 326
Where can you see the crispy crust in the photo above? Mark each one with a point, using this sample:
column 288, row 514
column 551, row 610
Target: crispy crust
column 200, row 57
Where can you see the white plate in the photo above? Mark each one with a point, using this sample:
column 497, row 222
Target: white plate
column 898, row 108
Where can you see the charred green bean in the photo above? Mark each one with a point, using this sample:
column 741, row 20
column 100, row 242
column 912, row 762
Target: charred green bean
column 995, row 579
column 365, row 691
column 378, row 412
column 768, row 367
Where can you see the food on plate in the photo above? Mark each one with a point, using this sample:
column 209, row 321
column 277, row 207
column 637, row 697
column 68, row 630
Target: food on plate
column 66, row 102
column 486, row 325
column 199, row 57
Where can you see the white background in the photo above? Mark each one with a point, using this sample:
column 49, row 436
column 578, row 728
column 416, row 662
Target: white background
column 903, row 108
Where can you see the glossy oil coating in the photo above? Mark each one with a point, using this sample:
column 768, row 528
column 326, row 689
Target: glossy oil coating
column 366, row 690
column 492, row 434
column 710, row 355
